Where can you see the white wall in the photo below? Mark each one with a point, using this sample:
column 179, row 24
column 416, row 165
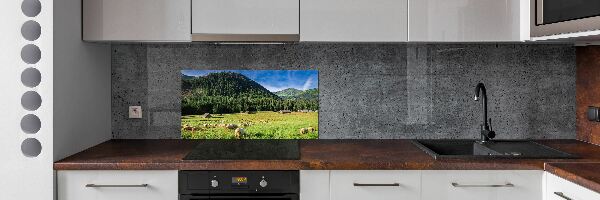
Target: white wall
column 81, row 74
column 24, row 177
column 82, row 89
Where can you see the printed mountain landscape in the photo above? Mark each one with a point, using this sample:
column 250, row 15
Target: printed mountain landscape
column 292, row 93
column 230, row 105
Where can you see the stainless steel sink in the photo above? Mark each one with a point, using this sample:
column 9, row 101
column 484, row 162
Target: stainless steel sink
column 471, row 149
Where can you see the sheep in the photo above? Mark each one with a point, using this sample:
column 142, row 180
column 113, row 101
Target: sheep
column 311, row 129
column 187, row 127
column 231, row 126
column 303, row 131
column 239, row 133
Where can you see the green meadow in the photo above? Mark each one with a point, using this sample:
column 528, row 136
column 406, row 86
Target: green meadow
column 260, row 125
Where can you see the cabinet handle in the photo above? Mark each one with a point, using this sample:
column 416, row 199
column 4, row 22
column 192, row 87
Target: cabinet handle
column 491, row 185
column 114, row 186
column 376, row 184
column 561, row 195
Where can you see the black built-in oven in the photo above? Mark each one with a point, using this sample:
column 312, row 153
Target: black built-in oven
column 234, row 185
column 551, row 17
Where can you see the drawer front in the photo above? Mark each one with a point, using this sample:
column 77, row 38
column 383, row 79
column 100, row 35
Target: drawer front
column 375, row 185
column 314, row 185
column 482, row 185
column 560, row 189
column 117, row 185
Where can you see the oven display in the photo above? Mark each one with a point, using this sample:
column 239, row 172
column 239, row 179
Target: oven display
column 239, row 180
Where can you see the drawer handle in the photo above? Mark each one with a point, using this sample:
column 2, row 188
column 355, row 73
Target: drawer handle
column 114, row 186
column 560, row 194
column 376, row 184
column 491, row 185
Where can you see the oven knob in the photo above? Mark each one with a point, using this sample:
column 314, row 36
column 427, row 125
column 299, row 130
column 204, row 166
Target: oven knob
column 214, row 183
column 263, row 183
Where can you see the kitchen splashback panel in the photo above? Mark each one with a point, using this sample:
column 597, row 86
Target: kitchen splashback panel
column 368, row 90
column 249, row 104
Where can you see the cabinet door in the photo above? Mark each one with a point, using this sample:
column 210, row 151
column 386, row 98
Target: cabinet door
column 245, row 16
column 468, row 20
column 117, row 185
column 136, row 20
column 354, row 21
column 314, row 185
column 482, row 185
column 560, row 189
column 375, row 184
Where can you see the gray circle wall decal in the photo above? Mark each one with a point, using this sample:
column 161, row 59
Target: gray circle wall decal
column 31, row 54
column 31, row 8
column 31, row 100
column 31, row 77
column 31, row 147
column 31, row 124
column 31, row 30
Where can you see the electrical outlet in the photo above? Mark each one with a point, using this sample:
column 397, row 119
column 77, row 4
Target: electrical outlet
column 135, row 112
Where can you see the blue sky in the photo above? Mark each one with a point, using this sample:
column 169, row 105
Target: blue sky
column 273, row 80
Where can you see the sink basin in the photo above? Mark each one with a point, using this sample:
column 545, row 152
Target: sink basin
column 471, row 149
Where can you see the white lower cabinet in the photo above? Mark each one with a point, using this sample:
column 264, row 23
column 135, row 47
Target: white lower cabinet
column 314, row 184
column 560, row 189
column 341, row 185
column 375, row 185
column 482, row 185
column 422, row 184
column 117, row 185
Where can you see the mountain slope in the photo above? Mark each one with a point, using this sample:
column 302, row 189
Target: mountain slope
column 295, row 94
column 288, row 93
column 225, row 84
column 229, row 92
column 310, row 94
column 186, row 77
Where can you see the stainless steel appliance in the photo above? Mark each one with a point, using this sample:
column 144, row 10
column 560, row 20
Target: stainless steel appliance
column 552, row 17
column 233, row 185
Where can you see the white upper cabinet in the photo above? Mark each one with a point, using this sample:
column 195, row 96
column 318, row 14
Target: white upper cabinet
column 245, row 20
column 136, row 20
column 468, row 20
column 354, row 20
column 307, row 20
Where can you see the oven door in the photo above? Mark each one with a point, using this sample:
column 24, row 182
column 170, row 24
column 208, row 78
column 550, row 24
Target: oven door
column 552, row 17
column 241, row 197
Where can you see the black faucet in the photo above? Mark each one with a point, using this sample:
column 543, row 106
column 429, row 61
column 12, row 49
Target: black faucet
column 486, row 129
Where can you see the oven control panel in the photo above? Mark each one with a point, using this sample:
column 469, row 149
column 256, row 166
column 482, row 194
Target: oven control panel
column 226, row 182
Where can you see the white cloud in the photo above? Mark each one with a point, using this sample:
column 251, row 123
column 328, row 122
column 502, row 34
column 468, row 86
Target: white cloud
column 308, row 83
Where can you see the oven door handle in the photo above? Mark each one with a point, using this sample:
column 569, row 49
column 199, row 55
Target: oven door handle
column 290, row 197
column 286, row 196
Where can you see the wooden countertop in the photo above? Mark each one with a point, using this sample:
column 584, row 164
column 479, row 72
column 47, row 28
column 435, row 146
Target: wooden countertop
column 584, row 174
column 315, row 154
